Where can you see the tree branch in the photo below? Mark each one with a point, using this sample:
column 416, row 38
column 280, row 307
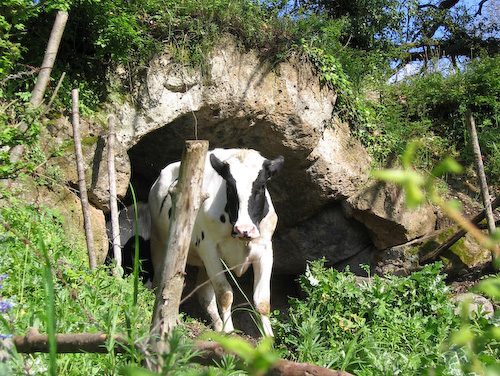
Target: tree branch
column 431, row 256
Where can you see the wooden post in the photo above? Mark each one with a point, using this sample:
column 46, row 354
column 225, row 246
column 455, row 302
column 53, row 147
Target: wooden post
column 81, row 180
column 471, row 126
column 113, row 205
column 186, row 201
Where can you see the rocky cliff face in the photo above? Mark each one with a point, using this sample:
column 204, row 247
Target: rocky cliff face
column 326, row 204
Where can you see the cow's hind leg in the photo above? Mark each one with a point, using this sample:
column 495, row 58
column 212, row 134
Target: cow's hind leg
column 206, row 297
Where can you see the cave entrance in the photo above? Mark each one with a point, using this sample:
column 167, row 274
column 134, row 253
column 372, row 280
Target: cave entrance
column 164, row 145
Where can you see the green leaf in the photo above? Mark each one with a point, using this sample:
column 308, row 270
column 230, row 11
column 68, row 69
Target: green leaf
column 491, row 287
column 409, row 154
column 390, row 175
column 448, row 165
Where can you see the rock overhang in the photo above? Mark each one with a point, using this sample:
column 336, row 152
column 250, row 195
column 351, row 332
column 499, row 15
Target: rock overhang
column 278, row 109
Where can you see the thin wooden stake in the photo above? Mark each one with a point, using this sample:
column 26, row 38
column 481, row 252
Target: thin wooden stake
column 113, row 205
column 471, row 125
column 186, row 201
column 81, row 180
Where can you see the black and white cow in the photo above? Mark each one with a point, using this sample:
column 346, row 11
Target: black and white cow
column 126, row 220
column 235, row 223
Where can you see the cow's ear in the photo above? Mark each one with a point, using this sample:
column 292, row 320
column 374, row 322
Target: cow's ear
column 219, row 166
column 274, row 166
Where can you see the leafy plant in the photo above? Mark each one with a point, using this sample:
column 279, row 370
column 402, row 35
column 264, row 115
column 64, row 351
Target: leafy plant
column 378, row 326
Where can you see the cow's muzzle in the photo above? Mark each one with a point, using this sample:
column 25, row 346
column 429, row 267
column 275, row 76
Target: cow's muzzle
column 245, row 232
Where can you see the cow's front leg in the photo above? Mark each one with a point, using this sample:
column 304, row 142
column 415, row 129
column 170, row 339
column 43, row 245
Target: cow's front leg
column 262, row 268
column 223, row 290
column 206, row 297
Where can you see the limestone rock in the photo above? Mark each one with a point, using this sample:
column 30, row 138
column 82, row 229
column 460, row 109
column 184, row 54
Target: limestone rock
column 70, row 209
column 328, row 235
column 381, row 208
column 474, row 303
column 95, row 154
column 280, row 108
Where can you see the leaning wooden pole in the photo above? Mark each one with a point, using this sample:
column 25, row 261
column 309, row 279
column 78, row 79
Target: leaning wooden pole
column 44, row 75
column 49, row 58
column 471, row 126
column 113, row 205
column 81, row 180
column 431, row 256
column 186, row 201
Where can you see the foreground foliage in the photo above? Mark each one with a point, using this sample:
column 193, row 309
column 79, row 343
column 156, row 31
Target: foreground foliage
column 83, row 301
column 381, row 326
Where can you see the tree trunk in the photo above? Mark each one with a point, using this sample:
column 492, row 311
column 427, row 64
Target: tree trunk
column 81, row 180
column 115, row 226
column 186, row 201
column 43, row 76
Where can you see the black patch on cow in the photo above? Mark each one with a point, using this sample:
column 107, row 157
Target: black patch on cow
column 202, row 235
column 222, row 218
column 163, row 203
column 233, row 203
column 257, row 202
column 146, row 270
column 258, row 207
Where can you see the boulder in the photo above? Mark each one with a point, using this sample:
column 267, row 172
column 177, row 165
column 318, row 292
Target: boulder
column 474, row 304
column 381, row 208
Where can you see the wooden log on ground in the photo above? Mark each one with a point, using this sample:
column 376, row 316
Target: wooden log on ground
column 34, row 342
column 210, row 353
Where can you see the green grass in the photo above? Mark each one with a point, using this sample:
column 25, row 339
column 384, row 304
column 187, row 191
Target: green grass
column 76, row 300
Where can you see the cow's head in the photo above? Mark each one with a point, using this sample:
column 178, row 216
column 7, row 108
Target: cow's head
column 246, row 176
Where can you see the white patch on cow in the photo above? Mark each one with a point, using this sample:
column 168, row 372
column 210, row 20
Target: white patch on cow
column 218, row 241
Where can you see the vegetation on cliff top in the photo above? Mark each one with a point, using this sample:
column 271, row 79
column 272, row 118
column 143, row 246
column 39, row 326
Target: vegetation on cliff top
column 356, row 46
